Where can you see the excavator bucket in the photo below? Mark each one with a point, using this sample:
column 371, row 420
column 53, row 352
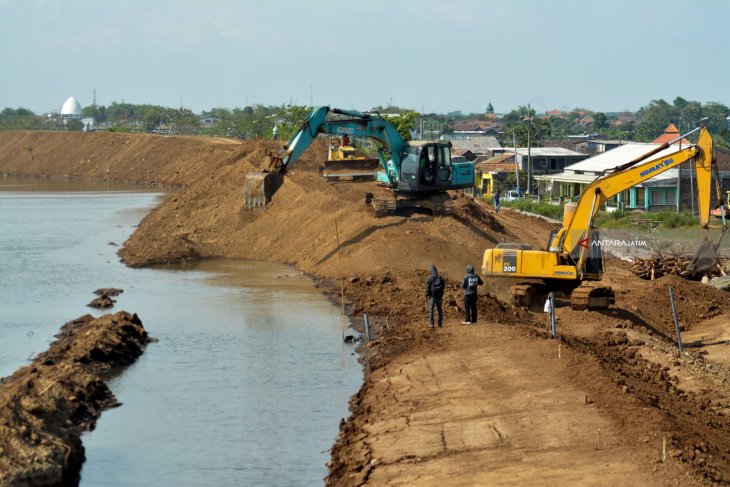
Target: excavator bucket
column 258, row 188
column 705, row 257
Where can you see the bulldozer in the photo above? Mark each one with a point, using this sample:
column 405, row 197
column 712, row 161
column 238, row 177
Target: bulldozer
column 573, row 261
column 418, row 173
column 347, row 162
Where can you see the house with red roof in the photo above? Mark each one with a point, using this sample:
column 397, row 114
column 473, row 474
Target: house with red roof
column 670, row 133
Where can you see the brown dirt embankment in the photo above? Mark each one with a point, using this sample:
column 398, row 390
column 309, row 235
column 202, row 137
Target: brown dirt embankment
column 46, row 406
column 489, row 398
column 139, row 158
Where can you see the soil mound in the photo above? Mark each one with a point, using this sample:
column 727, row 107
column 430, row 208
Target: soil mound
column 45, row 407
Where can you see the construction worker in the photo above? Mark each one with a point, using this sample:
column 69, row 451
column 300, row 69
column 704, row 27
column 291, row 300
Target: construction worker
column 435, row 285
column 497, row 195
column 469, row 285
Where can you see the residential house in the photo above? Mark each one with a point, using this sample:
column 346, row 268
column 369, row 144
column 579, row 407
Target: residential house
column 492, row 173
column 480, row 145
column 598, row 146
column 208, row 121
column 545, row 160
column 659, row 192
column 671, row 134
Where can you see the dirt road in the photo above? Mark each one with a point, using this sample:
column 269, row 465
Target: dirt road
column 461, row 406
column 480, row 414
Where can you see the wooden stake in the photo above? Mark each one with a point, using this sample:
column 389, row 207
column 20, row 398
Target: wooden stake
column 342, row 283
column 599, row 438
column 559, row 349
column 664, row 449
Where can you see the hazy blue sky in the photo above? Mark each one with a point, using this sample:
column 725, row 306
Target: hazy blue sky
column 431, row 55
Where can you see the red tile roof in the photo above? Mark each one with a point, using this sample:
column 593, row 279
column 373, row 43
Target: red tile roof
column 670, row 133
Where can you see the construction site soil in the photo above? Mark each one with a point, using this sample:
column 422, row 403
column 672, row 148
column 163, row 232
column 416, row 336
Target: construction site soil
column 611, row 401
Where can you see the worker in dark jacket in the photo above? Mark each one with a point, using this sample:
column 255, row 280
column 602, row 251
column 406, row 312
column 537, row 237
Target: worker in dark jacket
column 470, row 283
column 435, row 294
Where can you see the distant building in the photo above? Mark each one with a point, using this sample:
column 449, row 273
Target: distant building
column 71, row 110
column 493, row 172
column 659, row 192
column 670, row 133
column 545, row 160
column 208, row 121
column 599, row 146
column 476, row 144
column 89, row 124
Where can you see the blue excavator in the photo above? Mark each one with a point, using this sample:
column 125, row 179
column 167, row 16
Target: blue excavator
column 418, row 173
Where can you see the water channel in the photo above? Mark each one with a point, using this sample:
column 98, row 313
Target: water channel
column 248, row 381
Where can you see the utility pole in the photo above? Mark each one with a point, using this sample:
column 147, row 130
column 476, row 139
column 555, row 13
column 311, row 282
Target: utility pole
column 679, row 167
column 517, row 172
column 529, row 155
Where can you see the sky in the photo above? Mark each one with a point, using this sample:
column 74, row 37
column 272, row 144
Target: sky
column 431, row 56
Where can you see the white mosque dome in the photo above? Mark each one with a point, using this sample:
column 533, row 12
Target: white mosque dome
column 71, row 108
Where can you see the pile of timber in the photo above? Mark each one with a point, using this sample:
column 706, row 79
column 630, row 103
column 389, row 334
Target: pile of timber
column 656, row 267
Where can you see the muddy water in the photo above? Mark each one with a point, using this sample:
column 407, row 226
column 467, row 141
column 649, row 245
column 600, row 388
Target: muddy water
column 248, row 381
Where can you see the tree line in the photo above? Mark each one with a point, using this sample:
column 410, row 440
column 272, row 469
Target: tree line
column 645, row 125
column 258, row 121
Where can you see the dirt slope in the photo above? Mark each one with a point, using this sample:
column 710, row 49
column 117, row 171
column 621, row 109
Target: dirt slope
column 635, row 387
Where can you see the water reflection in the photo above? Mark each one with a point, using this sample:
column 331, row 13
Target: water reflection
column 248, row 381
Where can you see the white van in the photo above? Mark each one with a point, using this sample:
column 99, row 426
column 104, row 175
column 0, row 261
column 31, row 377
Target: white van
column 512, row 195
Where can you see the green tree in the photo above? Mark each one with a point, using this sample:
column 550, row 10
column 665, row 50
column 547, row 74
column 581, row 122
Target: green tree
column 74, row 125
column 404, row 123
column 19, row 119
column 600, row 120
column 153, row 117
column 289, row 120
column 184, row 120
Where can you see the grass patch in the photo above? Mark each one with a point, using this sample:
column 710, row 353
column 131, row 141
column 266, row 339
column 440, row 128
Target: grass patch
column 604, row 219
column 668, row 219
column 545, row 209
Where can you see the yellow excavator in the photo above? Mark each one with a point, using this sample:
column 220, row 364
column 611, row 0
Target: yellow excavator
column 574, row 257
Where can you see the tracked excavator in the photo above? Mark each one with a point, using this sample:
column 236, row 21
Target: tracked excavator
column 573, row 261
column 418, row 173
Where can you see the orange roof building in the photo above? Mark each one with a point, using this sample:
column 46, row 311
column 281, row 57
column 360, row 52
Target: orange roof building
column 670, row 133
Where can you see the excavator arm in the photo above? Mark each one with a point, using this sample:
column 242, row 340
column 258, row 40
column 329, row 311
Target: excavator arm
column 580, row 227
column 257, row 188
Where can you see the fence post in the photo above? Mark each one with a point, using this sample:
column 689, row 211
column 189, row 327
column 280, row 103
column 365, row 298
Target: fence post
column 367, row 327
column 676, row 322
column 554, row 327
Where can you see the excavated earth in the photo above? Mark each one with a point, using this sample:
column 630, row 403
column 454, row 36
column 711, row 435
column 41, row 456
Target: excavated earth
column 46, row 406
column 610, row 402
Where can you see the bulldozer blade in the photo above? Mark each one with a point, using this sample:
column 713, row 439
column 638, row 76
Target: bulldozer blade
column 258, row 189
column 705, row 257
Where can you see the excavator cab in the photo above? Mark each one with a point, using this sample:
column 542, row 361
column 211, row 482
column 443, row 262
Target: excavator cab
column 427, row 166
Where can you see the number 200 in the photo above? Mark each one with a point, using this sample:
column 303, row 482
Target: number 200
column 509, row 268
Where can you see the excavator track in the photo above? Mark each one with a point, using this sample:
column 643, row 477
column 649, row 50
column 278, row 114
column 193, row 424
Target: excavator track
column 441, row 204
column 382, row 206
column 438, row 204
column 524, row 295
column 592, row 297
